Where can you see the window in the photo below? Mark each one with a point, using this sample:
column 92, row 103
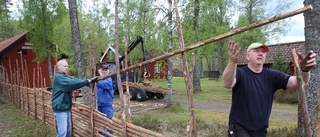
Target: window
column 157, row 69
column 22, row 51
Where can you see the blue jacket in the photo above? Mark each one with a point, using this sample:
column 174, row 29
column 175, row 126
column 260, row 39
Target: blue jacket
column 105, row 92
column 63, row 85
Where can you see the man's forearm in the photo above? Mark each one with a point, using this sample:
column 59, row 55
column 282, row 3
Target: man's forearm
column 229, row 74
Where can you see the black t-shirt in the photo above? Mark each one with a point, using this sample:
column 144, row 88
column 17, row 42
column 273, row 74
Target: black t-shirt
column 252, row 97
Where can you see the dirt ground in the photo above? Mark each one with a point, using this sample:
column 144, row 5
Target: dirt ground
column 138, row 107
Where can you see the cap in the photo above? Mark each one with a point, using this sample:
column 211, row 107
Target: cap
column 104, row 66
column 257, row 45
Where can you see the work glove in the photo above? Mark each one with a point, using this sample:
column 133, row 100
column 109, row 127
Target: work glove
column 94, row 79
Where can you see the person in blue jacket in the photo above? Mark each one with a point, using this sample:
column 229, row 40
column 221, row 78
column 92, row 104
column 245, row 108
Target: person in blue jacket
column 105, row 94
column 63, row 85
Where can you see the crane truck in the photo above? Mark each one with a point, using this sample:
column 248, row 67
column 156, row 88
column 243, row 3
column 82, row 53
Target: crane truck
column 137, row 91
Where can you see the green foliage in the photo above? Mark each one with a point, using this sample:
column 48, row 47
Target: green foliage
column 280, row 63
column 252, row 11
column 214, row 20
column 39, row 19
column 7, row 28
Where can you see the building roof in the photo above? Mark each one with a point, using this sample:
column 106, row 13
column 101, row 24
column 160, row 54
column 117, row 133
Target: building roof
column 8, row 43
column 283, row 48
column 106, row 52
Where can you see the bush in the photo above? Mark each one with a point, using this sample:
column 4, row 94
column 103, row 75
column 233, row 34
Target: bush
column 147, row 121
column 286, row 96
column 283, row 132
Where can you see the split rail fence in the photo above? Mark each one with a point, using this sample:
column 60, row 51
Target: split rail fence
column 36, row 102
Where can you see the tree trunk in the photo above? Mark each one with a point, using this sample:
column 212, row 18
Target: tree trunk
column 76, row 38
column 169, row 94
column 197, row 68
column 50, row 70
column 312, row 42
column 80, row 67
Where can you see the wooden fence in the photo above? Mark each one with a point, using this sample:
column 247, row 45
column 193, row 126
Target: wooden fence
column 36, row 102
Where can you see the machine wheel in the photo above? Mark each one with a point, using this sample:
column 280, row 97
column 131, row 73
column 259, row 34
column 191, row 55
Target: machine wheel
column 133, row 93
column 160, row 96
column 150, row 94
column 141, row 95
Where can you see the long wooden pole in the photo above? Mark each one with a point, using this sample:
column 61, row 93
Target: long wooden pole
column 126, row 100
column 303, row 98
column 120, row 88
column 214, row 39
column 317, row 124
column 191, row 127
column 92, row 74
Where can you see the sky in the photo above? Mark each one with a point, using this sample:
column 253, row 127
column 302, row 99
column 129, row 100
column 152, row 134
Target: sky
column 296, row 33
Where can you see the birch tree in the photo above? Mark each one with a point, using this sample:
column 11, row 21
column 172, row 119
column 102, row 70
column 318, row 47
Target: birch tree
column 40, row 16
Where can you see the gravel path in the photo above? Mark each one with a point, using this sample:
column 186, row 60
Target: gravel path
column 275, row 113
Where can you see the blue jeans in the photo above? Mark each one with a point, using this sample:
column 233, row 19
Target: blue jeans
column 108, row 110
column 63, row 120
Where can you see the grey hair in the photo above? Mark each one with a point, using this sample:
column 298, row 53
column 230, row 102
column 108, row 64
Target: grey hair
column 59, row 63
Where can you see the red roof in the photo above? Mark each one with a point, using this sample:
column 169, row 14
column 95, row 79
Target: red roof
column 283, row 48
column 10, row 42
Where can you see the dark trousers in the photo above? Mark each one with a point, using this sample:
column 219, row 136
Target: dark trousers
column 237, row 130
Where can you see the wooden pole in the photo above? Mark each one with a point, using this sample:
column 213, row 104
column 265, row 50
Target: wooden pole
column 92, row 74
column 27, row 74
column 18, row 84
column 43, row 106
column 191, row 127
column 317, row 124
column 38, row 78
column 214, row 39
column 193, row 61
column 127, row 106
column 41, row 81
column 116, row 44
column 34, row 84
column 303, row 98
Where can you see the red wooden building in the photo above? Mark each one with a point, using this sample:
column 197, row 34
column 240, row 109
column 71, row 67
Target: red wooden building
column 18, row 61
column 157, row 70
